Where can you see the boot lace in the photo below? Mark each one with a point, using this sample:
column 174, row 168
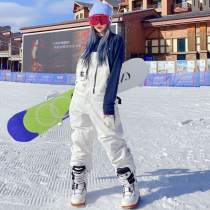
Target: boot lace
column 78, row 178
column 128, row 188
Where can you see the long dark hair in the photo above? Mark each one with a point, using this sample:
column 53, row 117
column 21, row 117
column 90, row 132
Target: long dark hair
column 102, row 46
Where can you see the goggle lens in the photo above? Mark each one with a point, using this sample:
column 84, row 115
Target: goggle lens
column 102, row 19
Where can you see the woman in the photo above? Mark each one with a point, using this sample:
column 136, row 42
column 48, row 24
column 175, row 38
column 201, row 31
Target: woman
column 94, row 104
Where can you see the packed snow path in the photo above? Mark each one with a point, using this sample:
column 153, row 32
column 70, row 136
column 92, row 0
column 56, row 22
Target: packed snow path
column 167, row 130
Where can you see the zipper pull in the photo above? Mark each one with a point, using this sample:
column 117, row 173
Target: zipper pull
column 87, row 71
column 95, row 79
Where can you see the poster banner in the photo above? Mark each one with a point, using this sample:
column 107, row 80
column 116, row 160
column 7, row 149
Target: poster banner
column 181, row 66
column 59, row 79
column 17, row 77
column 157, row 80
column 198, row 65
column 190, row 66
column 71, row 78
column 6, row 75
column 202, row 65
column 162, row 66
column 208, row 65
column 44, row 78
column 188, row 79
column 31, row 77
column 152, row 67
column 205, row 78
column 166, row 65
column 1, row 75
column 171, row 67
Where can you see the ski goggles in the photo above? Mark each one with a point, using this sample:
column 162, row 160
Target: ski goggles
column 102, row 19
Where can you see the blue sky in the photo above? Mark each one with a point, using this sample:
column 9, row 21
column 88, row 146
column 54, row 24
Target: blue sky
column 23, row 13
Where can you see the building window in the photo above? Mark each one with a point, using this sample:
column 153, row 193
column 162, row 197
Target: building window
column 139, row 5
column 208, row 43
column 81, row 15
column 77, row 16
column 152, row 46
column 157, row 4
column 165, row 46
column 162, row 46
column 154, row 49
column 198, row 43
column 181, row 57
column 148, row 46
column 181, row 45
column 168, row 45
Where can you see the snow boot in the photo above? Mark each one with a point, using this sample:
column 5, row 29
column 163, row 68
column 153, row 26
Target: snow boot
column 131, row 194
column 79, row 183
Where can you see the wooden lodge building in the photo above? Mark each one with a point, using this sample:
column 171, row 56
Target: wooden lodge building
column 161, row 29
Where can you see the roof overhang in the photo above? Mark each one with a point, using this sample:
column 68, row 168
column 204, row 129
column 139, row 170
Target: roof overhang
column 139, row 15
column 6, row 33
column 59, row 26
column 175, row 22
column 75, row 5
column 85, row 22
column 17, row 38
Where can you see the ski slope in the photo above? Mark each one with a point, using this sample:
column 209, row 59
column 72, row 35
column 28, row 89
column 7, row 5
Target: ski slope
column 167, row 130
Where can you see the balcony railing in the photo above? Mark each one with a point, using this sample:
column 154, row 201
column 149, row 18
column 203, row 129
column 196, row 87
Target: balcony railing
column 15, row 51
column 4, row 48
column 154, row 6
column 181, row 5
column 137, row 8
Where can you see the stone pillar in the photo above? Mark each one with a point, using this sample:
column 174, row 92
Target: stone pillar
column 131, row 5
column 145, row 4
column 203, row 54
column 191, row 55
column 166, row 7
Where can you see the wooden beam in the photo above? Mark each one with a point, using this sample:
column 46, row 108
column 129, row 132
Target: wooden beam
column 151, row 33
column 175, row 22
column 191, row 37
column 203, row 41
column 158, row 40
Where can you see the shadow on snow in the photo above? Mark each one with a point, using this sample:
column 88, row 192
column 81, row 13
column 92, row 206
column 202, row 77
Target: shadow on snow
column 168, row 183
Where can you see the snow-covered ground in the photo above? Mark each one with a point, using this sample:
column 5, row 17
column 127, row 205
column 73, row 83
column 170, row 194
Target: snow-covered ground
column 167, row 129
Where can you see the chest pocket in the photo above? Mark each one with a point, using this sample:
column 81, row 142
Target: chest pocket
column 80, row 77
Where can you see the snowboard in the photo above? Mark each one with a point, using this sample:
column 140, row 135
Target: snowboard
column 28, row 124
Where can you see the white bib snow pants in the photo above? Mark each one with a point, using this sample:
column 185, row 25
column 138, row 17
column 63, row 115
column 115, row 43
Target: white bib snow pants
column 86, row 112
